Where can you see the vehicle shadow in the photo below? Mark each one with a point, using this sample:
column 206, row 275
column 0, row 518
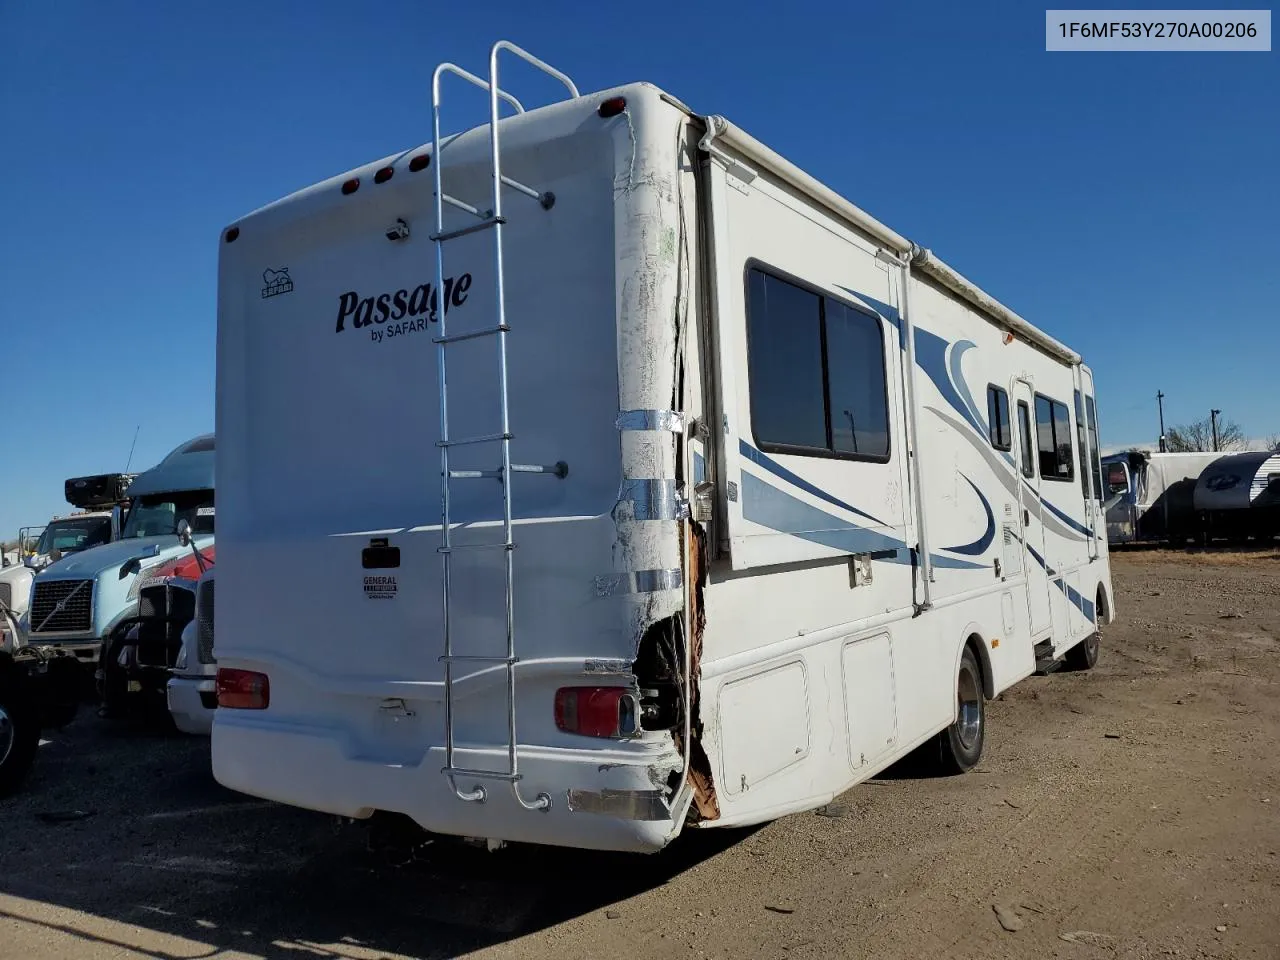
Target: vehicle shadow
column 127, row 842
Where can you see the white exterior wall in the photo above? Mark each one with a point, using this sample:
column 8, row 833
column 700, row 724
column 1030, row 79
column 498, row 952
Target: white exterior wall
column 810, row 684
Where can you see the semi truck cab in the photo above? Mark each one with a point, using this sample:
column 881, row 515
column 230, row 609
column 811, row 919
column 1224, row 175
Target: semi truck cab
column 77, row 601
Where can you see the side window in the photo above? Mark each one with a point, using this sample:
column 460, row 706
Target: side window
column 1096, row 464
column 1080, row 444
column 1024, row 430
column 817, row 373
column 1053, row 439
column 998, row 418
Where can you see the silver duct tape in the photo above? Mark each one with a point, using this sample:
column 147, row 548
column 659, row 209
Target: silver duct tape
column 627, row 804
column 639, row 581
column 653, row 499
column 668, row 420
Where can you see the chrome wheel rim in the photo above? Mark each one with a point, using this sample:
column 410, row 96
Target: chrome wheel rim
column 969, row 721
column 8, row 734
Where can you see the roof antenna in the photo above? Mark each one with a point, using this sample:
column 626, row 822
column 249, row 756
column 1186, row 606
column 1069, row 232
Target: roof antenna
column 131, row 447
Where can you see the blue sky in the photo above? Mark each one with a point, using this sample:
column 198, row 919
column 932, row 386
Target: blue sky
column 1126, row 203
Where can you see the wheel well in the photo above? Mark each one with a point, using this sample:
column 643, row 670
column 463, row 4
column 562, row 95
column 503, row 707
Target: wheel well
column 1103, row 606
column 979, row 648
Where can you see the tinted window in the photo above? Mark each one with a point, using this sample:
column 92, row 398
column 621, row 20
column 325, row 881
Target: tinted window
column 855, row 382
column 1096, row 463
column 784, row 324
column 158, row 515
column 817, row 372
column 1024, row 428
column 998, row 418
column 1053, row 439
column 1080, row 444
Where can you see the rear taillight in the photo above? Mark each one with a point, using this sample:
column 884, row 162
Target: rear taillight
column 243, row 689
column 598, row 711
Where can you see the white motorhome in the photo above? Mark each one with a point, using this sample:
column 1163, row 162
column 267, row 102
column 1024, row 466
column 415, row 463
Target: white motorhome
column 732, row 496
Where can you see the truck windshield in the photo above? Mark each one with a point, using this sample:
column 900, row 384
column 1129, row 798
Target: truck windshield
column 158, row 515
column 70, row 536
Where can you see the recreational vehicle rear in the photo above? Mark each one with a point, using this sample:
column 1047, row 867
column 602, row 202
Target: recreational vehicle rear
column 647, row 483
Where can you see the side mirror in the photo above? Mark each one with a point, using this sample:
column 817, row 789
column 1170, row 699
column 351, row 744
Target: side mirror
column 116, row 517
column 184, row 532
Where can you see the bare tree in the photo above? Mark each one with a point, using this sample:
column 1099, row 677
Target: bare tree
column 1198, row 436
column 1273, row 442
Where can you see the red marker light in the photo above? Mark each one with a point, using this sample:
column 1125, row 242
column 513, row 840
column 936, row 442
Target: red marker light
column 598, row 711
column 420, row 162
column 243, row 689
column 351, row 186
column 612, row 107
column 385, row 174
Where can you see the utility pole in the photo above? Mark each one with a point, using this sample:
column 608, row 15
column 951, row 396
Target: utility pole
column 1213, row 419
column 1160, row 400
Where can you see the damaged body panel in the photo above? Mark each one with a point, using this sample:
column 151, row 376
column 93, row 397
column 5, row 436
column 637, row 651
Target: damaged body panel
column 591, row 284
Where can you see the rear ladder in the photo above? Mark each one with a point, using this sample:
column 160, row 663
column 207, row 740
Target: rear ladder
column 491, row 219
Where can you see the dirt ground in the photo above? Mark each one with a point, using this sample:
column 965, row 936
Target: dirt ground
column 1131, row 812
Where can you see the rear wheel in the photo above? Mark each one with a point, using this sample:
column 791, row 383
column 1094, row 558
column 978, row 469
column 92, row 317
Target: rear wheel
column 19, row 732
column 1084, row 654
column 960, row 745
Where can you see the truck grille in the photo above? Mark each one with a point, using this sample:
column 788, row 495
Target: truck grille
column 61, row 606
column 204, row 622
column 6, row 594
column 164, row 609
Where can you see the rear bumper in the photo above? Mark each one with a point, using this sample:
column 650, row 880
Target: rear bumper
column 310, row 767
column 189, row 701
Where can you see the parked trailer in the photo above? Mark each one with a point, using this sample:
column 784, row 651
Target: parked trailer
column 1238, row 496
column 732, row 496
column 1156, row 495
column 1176, row 497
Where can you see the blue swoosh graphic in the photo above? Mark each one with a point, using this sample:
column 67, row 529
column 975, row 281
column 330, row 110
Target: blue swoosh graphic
column 777, row 469
column 770, row 507
column 931, row 357
column 1073, row 595
column 1080, row 528
column 979, row 546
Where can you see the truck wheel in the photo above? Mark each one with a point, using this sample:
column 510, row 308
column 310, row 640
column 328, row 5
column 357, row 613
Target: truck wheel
column 960, row 745
column 114, row 684
column 19, row 735
column 1084, row 654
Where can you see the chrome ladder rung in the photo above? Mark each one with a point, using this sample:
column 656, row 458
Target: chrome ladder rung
column 490, row 774
column 484, row 224
column 472, row 335
column 459, row 547
column 560, row 470
column 462, row 205
column 476, row 658
column 466, row 441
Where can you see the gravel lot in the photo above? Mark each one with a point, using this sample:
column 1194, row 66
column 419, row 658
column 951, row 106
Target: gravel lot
column 1130, row 812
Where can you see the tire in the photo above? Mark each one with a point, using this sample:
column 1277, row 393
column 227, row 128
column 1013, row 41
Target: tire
column 112, row 687
column 960, row 745
column 1084, row 654
column 19, row 730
